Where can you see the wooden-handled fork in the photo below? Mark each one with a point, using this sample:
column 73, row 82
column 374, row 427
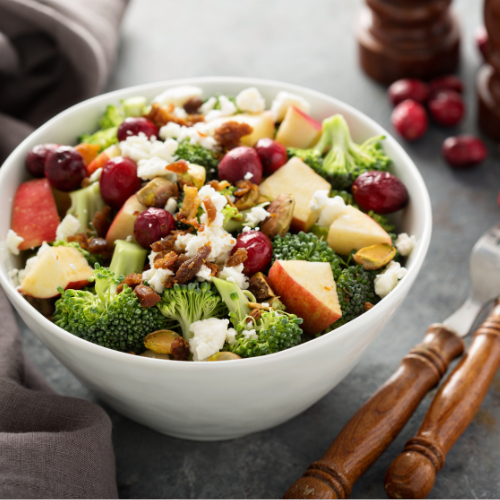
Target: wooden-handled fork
column 377, row 423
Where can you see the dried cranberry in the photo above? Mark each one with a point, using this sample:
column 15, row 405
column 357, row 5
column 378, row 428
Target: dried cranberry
column 410, row 119
column 241, row 163
column 408, row 88
column 37, row 157
column 447, row 107
column 259, row 251
column 381, row 192
column 134, row 126
column 65, row 168
column 152, row 225
column 464, row 151
column 272, row 154
column 119, row 181
column 449, row 82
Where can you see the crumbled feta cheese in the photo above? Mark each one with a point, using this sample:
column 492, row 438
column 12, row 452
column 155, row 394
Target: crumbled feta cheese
column 250, row 100
column 208, row 105
column 250, row 334
column 231, row 336
column 157, row 278
column 209, row 337
column 178, row 96
column 13, row 241
column 129, row 238
column 139, row 147
column 227, row 108
column 171, row 206
column 283, row 101
column 95, row 176
column 154, row 167
column 235, row 275
column 180, row 113
column 221, row 242
column 247, row 229
column 324, row 208
column 69, row 226
column 265, row 304
column 248, row 176
column 204, row 274
column 387, row 281
column 218, row 200
column 256, row 216
column 195, row 135
column 405, row 244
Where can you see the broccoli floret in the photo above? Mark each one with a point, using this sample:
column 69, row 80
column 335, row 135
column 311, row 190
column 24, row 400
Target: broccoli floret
column 103, row 138
column 85, row 203
column 106, row 318
column 345, row 195
column 310, row 157
column 306, row 246
column 194, row 153
column 185, row 304
column 112, row 117
column 345, row 160
column 92, row 259
column 355, row 287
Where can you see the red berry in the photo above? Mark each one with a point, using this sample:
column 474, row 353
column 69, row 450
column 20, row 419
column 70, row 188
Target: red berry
column 65, row 168
column 464, row 151
column 449, row 82
column 37, row 157
column 240, row 162
column 408, row 88
column 133, row 126
column 259, row 251
column 447, row 108
column 119, row 181
column 381, row 192
column 152, row 225
column 410, row 119
column 272, row 154
column 482, row 41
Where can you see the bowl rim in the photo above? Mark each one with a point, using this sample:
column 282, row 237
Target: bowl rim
column 383, row 307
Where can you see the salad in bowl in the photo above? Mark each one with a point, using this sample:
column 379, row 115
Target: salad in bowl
column 196, row 227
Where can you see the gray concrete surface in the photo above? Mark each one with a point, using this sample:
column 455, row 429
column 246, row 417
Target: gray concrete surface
column 309, row 43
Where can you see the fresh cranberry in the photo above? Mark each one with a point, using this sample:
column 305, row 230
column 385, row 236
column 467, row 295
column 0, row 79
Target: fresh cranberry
column 119, row 181
column 464, row 151
column 37, row 157
column 152, row 225
column 408, row 88
column 482, row 41
column 259, row 251
column 381, row 192
column 134, row 126
column 447, row 108
column 449, row 82
column 65, row 168
column 241, row 163
column 410, row 119
column 272, row 154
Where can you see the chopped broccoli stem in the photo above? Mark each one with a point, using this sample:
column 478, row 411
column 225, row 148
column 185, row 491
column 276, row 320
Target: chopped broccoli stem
column 233, row 297
column 128, row 258
column 85, row 203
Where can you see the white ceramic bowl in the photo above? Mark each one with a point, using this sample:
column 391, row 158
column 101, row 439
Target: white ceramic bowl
column 214, row 401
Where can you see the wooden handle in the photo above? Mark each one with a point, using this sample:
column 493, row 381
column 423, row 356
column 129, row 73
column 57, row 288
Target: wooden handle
column 371, row 430
column 412, row 474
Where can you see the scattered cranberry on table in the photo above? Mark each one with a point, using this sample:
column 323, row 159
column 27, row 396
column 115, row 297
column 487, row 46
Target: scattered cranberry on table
column 482, row 41
column 37, row 157
column 448, row 82
column 272, row 154
column 381, row 192
column 133, row 126
column 408, row 88
column 464, row 151
column 259, row 251
column 410, row 119
column 152, row 225
column 447, row 108
column 119, row 181
column 241, row 163
column 65, row 168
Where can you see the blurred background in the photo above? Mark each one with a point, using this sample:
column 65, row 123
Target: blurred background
column 311, row 44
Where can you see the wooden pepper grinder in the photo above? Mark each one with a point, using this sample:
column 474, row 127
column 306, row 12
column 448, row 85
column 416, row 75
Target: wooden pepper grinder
column 408, row 39
column 488, row 79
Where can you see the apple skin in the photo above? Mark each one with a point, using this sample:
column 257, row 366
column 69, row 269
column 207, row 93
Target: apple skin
column 34, row 213
column 298, row 130
column 102, row 158
column 123, row 224
column 299, row 299
column 63, row 267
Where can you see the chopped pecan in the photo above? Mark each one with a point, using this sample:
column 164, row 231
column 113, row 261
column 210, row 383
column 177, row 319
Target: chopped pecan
column 190, row 204
column 229, row 134
column 178, row 167
column 81, row 239
column 102, row 221
column 98, row 246
column 210, row 209
column 161, row 115
column 167, row 261
column 180, row 349
column 368, row 306
column 238, row 257
column 192, row 106
column 255, row 314
column 166, row 244
column 146, row 295
column 192, row 266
